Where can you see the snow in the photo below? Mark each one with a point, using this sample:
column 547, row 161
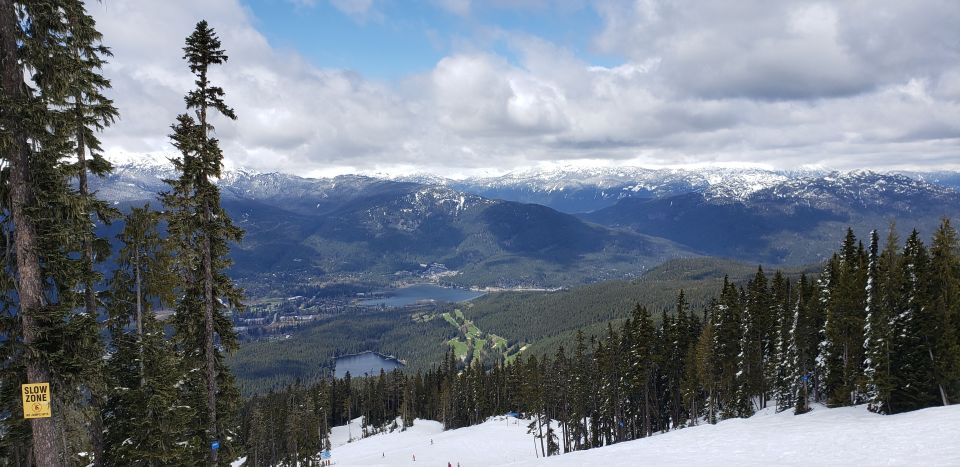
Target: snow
column 500, row 440
column 842, row 436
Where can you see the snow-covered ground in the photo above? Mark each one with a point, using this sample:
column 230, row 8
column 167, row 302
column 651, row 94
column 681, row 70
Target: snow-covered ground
column 499, row 441
column 844, row 436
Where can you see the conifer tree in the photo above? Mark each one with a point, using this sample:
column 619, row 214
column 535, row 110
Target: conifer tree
column 642, row 369
column 144, row 420
column 86, row 111
column 46, row 217
column 19, row 109
column 944, row 314
column 741, row 405
column 202, row 231
column 796, row 365
column 677, row 344
column 827, row 371
column 883, row 291
column 786, row 358
column 913, row 372
column 579, row 396
column 842, row 350
column 726, row 348
column 257, row 438
column 851, row 297
column 561, row 379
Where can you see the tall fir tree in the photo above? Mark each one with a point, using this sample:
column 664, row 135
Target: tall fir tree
column 46, row 216
column 87, row 111
column 202, row 232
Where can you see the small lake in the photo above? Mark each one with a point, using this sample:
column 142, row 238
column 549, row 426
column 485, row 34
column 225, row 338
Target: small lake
column 412, row 294
column 366, row 363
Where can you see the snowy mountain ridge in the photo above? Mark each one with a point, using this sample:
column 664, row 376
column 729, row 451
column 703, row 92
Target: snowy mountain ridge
column 857, row 188
column 603, row 183
column 725, row 183
column 722, row 181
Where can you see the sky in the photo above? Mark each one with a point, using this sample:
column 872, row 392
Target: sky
column 469, row 87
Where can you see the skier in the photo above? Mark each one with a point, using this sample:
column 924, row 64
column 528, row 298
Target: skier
column 414, row 457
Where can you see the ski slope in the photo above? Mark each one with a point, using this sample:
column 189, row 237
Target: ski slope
column 829, row 437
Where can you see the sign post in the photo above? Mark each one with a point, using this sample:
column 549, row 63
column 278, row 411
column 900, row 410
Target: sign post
column 36, row 400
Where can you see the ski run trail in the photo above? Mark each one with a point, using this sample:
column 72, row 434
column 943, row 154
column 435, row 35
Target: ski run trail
column 849, row 436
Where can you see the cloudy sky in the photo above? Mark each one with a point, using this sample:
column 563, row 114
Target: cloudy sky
column 461, row 87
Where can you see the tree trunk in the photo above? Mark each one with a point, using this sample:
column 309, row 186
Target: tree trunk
column 210, row 356
column 548, row 434
column 89, row 294
column 28, row 280
column 209, row 331
column 943, row 394
column 139, row 293
column 540, row 432
column 646, row 410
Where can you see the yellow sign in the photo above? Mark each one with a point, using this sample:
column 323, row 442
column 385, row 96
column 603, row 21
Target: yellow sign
column 36, row 400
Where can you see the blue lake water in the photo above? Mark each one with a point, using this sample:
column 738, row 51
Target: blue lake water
column 366, row 363
column 413, row 294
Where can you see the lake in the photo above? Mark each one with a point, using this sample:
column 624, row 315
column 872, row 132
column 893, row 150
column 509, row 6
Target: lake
column 369, row 363
column 412, row 294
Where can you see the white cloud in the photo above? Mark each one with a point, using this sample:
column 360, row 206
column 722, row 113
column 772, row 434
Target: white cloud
column 359, row 10
column 458, row 7
column 784, row 86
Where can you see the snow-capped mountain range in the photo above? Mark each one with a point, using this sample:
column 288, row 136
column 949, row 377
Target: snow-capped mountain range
column 568, row 189
column 584, row 190
column 551, row 227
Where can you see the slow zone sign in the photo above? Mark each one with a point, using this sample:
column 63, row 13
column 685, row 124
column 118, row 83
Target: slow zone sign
column 36, row 400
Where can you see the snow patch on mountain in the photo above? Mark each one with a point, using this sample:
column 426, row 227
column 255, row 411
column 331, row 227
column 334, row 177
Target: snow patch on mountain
column 865, row 189
column 410, row 211
column 630, row 180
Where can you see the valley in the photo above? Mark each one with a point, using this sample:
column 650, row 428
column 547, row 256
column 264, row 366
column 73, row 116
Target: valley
column 493, row 327
column 356, row 263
